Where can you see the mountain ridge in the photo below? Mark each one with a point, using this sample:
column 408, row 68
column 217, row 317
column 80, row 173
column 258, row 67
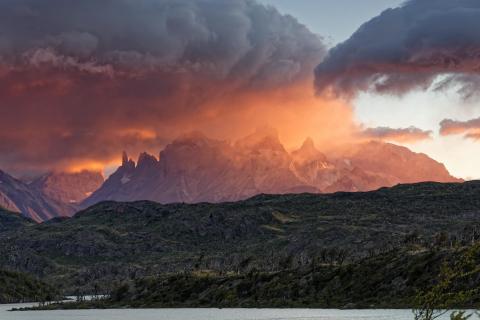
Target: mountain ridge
column 195, row 168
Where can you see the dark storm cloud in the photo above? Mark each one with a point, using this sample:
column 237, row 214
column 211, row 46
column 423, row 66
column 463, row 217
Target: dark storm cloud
column 408, row 48
column 84, row 79
column 225, row 39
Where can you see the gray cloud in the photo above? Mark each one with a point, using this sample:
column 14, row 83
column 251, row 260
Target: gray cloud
column 237, row 39
column 407, row 48
column 469, row 129
column 410, row 134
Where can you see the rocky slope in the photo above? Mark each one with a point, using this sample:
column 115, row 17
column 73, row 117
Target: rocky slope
column 18, row 196
column 50, row 196
column 68, row 188
column 194, row 168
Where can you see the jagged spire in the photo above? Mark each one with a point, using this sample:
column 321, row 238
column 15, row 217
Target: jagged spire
column 308, row 152
column 146, row 160
column 124, row 158
column 308, row 143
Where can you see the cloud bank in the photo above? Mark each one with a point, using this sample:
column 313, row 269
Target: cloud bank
column 470, row 129
column 422, row 44
column 82, row 80
column 401, row 135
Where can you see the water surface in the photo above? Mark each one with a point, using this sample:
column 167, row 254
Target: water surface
column 205, row 314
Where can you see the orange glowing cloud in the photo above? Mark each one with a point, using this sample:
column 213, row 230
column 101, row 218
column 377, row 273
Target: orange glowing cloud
column 75, row 100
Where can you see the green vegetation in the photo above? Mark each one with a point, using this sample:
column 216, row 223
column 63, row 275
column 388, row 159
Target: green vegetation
column 12, row 221
column 430, row 281
column 455, row 287
column 19, row 287
column 377, row 248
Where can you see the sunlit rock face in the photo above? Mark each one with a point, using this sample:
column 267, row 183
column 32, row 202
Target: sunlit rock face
column 397, row 164
column 68, row 188
column 195, row 168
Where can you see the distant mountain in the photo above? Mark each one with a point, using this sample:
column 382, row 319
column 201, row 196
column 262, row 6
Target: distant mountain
column 195, row 168
column 18, row 196
column 68, row 188
column 396, row 164
column 50, row 196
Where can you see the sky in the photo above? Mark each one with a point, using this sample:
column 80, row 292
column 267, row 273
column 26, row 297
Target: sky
column 333, row 20
column 81, row 81
column 336, row 21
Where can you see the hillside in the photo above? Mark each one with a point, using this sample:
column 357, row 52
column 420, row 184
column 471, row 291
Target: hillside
column 386, row 281
column 389, row 280
column 10, row 221
column 18, row 287
column 117, row 241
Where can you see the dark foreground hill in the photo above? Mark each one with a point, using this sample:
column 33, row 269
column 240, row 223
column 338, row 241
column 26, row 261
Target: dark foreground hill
column 113, row 242
column 11, row 221
column 395, row 279
column 19, row 287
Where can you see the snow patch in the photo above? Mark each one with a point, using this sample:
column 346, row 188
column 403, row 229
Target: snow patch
column 125, row 179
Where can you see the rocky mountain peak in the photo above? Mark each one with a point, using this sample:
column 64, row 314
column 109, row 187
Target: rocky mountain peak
column 146, row 160
column 263, row 138
column 127, row 162
column 308, row 152
column 308, row 144
column 193, row 138
column 124, row 158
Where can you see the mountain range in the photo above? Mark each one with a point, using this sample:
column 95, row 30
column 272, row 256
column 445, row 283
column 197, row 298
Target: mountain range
column 195, row 168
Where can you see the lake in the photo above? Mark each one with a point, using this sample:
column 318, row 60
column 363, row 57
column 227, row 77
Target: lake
column 205, row 314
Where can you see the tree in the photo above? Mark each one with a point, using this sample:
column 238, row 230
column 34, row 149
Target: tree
column 447, row 293
column 460, row 315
